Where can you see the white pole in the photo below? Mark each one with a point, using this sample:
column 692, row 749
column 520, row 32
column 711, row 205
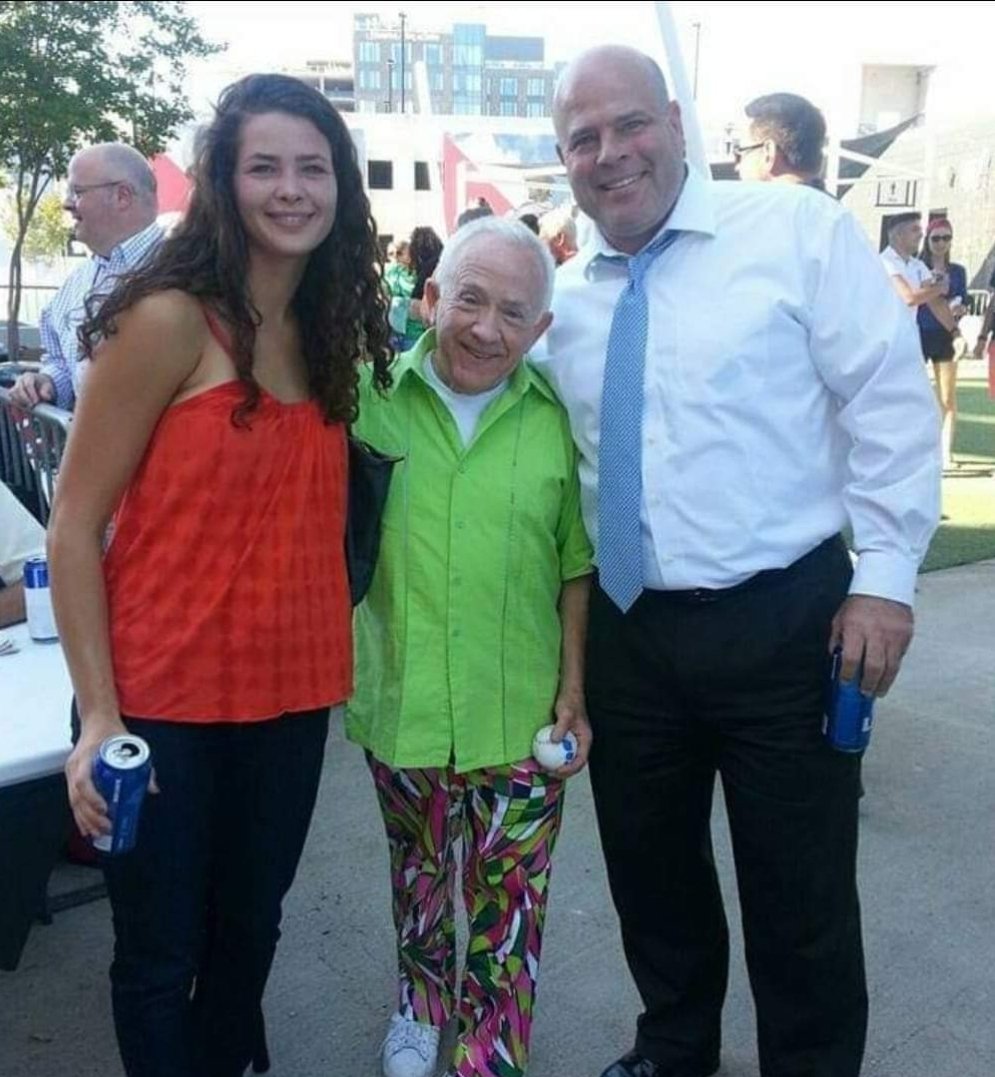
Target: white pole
column 423, row 95
column 681, row 89
column 925, row 195
column 833, row 151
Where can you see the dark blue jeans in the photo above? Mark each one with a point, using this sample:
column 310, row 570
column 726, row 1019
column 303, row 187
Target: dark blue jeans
column 197, row 904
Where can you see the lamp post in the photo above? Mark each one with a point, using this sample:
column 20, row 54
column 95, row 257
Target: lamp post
column 403, row 20
column 390, row 84
column 697, row 53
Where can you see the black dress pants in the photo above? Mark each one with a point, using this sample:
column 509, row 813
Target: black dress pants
column 688, row 685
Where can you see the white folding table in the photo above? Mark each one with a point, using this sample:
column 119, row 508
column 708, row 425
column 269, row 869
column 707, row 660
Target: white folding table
column 35, row 693
column 35, row 697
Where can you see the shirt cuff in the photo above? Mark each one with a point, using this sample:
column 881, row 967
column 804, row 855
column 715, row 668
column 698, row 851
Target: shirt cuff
column 885, row 575
column 65, row 394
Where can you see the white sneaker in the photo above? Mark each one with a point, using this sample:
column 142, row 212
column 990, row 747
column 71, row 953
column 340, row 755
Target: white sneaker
column 411, row 1049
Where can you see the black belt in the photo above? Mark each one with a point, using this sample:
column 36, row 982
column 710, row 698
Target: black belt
column 700, row 596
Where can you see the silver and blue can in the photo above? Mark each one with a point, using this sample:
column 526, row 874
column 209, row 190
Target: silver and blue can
column 849, row 715
column 38, row 601
column 121, row 771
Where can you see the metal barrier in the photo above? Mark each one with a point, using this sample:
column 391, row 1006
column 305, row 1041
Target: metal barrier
column 977, row 301
column 34, row 299
column 31, row 448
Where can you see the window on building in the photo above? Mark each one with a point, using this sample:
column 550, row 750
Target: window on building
column 433, row 55
column 369, row 78
column 369, row 52
column 422, row 182
column 535, row 108
column 468, row 55
column 536, row 88
column 380, row 175
column 437, row 79
column 508, row 108
column 509, row 88
column 395, row 52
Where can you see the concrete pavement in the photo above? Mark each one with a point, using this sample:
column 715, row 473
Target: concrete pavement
column 928, row 885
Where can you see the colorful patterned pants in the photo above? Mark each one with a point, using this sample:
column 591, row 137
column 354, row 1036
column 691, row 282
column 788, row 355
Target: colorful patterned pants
column 508, row 818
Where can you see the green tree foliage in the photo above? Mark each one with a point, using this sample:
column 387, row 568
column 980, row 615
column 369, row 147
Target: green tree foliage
column 48, row 233
column 76, row 73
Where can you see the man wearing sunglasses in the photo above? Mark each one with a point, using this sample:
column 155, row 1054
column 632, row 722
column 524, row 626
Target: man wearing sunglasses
column 111, row 197
column 785, row 141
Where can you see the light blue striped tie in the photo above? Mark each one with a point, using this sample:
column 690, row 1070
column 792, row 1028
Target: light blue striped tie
column 620, row 457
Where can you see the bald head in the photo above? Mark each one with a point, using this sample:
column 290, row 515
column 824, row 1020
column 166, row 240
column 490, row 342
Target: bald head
column 112, row 195
column 621, row 140
column 604, row 58
column 125, row 163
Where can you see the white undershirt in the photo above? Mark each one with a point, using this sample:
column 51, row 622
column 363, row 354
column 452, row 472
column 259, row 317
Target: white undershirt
column 466, row 408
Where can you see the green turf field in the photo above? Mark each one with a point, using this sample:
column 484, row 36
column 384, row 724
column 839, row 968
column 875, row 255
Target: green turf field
column 967, row 532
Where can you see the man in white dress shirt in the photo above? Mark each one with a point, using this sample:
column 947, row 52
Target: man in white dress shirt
column 742, row 383
column 911, row 277
column 111, row 197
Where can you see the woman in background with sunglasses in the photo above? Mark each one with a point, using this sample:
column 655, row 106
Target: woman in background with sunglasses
column 939, row 344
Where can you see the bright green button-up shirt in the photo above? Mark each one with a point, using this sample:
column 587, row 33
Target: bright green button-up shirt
column 458, row 641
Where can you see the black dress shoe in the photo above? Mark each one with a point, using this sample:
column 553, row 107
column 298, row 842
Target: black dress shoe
column 634, row 1065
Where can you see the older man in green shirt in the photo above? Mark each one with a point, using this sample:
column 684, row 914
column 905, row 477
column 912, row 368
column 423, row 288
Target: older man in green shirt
column 470, row 640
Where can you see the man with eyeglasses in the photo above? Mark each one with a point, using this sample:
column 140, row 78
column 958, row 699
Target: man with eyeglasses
column 111, row 197
column 786, row 136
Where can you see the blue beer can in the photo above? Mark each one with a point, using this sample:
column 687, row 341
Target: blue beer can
column 38, row 601
column 849, row 713
column 121, row 771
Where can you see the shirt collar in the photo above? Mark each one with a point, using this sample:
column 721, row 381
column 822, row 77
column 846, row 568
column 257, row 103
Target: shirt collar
column 694, row 211
column 132, row 248
column 411, row 362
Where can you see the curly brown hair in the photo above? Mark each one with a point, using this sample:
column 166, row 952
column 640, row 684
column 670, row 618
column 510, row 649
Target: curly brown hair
column 340, row 304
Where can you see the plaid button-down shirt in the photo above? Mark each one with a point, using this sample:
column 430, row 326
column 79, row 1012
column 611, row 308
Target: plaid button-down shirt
column 61, row 319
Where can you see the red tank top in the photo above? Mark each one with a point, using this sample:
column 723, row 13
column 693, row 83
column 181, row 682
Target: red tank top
column 226, row 577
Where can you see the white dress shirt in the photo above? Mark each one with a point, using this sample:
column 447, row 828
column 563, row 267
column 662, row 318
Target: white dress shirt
column 62, row 317
column 785, row 394
column 914, row 272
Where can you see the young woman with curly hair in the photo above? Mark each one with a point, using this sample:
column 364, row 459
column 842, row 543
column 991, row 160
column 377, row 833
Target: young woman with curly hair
column 217, row 623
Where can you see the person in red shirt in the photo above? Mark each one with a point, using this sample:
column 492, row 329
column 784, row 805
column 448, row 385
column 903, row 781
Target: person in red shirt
column 217, row 623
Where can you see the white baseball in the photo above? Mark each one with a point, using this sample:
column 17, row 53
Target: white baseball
column 552, row 756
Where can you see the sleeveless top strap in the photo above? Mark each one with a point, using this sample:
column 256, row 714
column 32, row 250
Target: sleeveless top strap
column 218, row 330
